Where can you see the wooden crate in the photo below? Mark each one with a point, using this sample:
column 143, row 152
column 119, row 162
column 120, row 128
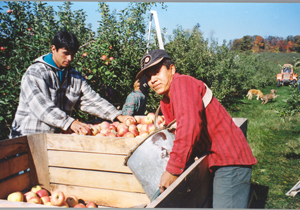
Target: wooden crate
column 92, row 168
column 89, row 167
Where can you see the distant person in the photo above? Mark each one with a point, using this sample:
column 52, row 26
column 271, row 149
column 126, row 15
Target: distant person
column 51, row 89
column 136, row 101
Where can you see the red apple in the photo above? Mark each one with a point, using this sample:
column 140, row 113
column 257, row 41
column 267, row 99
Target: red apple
column 64, row 204
column 2, row 48
column 112, row 127
column 91, row 205
column 111, row 134
column 150, row 128
column 128, row 135
column 144, row 128
column 29, row 195
column 116, row 123
column 111, row 58
column 36, row 188
column 143, row 134
column 104, row 125
column 147, row 120
column 101, row 134
column 16, row 196
column 57, row 198
column 135, row 132
column 42, row 193
column 35, row 200
column 160, row 119
column 84, row 54
column 122, row 130
column 105, row 131
column 72, row 200
column 152, row 115
column 138, row 119
column 48, row 204
column 9, row 11
column 130, row 121
column 138, row 126
column 103, row 57
column 45, row 199
column 132, row 127
column 80, row 205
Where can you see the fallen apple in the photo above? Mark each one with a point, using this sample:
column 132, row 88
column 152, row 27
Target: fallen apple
column 29, row 195
column 80, row 205
column 91, row 205
column 45, row 199
column 64, row 204
column 35, row 200
column 72, row 200
column 48, row 204
column 57, row 198
column 42, row 193
column 16, row 196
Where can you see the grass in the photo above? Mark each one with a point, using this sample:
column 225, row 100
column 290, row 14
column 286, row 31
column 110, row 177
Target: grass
column 275, row 143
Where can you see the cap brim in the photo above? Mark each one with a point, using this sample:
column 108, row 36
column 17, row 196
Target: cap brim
column 141, row 73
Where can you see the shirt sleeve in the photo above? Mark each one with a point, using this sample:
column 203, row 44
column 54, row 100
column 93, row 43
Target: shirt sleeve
column 39, row 100
column 186, row 99
column 129, row 106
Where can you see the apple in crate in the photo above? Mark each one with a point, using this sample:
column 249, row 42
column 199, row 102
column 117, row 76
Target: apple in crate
column 147, row 120
column 35, row 200
column 129, row 135
column 72, row 200
column 16, row 196
column 57, row 198
column 36, row 188
column 42, row 193
column 130, row 121
column 91, row 205
column 150, row 128
column 45, row 199
column 138, row 119
column 104, row 125
column 29, row 195
column 80, row 205
column 64, row 204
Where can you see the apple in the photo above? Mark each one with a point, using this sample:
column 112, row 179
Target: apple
column 104, row 125
column 122, row 130
column 29, row 29
column 80, row 205
column 147, row 120
column 144, row 128
column 130, row 121
column 42, row 193
column 138, row 119
column 29, row 195
column 35, row 200
column 57, row 198
column 138, row 126
column 111, row 58
column 116, row 123
column 64, row 204
column 143, row 134
column 48, row 204
column 2, row 48
column 84, row 54
column 101, row 134
column 36, row 188
column 128, row 135
column 91, row 205
column 135, row 132
column 9, row 11
column 132, row 127
column 112, row 127
column 45, row 199
column 95, row 130
column 152, row 115
column 103, row 57
column 72, row 200
column 111, row 134
column 104, row 131
column 150, row 128
column 160, row 119
column 16, row 196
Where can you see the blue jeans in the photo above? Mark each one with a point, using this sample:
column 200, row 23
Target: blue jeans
column 231, row 186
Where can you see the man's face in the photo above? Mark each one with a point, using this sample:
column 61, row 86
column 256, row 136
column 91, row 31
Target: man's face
column 62, row 57
column 160, row 78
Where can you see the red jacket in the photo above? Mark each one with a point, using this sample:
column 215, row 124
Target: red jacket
column 210, row 130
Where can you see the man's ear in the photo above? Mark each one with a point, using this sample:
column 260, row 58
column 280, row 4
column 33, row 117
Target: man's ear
column 53, row 48
column 173, row 69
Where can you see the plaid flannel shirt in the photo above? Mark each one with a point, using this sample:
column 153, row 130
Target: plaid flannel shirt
column 46, row 105
column 135, row 104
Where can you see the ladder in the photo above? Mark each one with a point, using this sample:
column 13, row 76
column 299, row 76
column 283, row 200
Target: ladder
column 153, row 15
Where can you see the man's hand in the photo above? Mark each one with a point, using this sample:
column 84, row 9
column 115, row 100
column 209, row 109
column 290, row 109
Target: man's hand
column 123, row 118
column 81, row 128
column 166, row 180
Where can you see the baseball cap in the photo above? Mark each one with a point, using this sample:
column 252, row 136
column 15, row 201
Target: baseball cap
column 151, row 59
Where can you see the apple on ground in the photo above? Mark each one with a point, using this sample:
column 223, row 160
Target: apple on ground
column 45, row 199
column 72, row 200
column 29, row 195
column 42, row 193
column 147, row 120
column 80, row 205
column 91, row 205
column 36, row 188
column 16, row 196
column 57, row 198
column 35, row 200
column 64, row 204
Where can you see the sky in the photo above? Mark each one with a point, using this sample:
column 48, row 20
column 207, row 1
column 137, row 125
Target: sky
column 220, row 20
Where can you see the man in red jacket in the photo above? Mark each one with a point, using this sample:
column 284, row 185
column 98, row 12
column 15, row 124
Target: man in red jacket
column 200, row 130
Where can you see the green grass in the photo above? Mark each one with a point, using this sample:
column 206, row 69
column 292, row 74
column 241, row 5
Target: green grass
column 275, row 143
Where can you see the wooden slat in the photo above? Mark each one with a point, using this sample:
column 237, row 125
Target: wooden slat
column 38, row 156
column 96, row 179
column 13, row 165
column 102, row 197
column 11, row 147
column 18, row 183
column 5, row 203
column 110, row 145
column 92, row 161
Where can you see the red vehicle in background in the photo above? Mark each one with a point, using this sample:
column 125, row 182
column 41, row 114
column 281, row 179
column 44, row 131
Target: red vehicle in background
column 287, row 76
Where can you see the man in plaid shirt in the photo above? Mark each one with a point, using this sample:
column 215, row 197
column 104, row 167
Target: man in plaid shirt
column 51, row 89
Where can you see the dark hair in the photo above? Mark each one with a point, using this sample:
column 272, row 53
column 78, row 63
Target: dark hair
column 167, row 62
column 64, row 39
